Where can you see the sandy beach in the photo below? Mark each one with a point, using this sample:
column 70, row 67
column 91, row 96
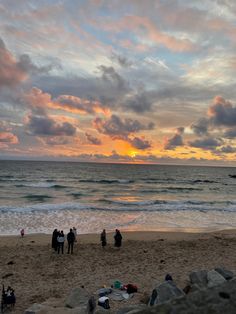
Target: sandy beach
column 37, row 273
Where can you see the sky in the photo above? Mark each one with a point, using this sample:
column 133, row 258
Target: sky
column 118, row 81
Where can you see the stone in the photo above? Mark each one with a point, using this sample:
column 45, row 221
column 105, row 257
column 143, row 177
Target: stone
column 199, row 277
column 165, row 292
column 35, row 309
column 130, row 308
column 78, row 297
column 227, row 274
column 216, row 300
column 214, row 278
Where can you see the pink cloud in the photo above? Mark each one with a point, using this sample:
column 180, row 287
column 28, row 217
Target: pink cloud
column 7, row 137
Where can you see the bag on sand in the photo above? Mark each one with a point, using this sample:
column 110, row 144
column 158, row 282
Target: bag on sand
column 104, row 302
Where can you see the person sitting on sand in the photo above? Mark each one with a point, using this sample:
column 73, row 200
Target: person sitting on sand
column 70, row 240
column 118, row 238
column 168, row 277
column 103, row 238
column 54, row 239
column 60, row 242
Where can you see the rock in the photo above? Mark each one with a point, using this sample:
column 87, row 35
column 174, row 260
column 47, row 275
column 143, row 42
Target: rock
column 35, row 309
column 199, row 277
column 227, row 274
column 78, row 297
column 130, row 308
column 216, row 300
column 165, row 292
column 214, row 278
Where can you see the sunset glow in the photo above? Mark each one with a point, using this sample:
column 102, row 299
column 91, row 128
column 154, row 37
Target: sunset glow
column 118, row 81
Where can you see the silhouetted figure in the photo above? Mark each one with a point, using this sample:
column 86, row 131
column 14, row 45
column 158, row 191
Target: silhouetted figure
column 70, row 240
column 75, row 233
column 60, row 242
column 54, row 239
column 22, row 233
column 103, row 238
column 168, row 277
column 118, row 238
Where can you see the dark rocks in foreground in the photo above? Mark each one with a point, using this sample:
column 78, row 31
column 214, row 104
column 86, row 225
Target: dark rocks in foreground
column 211, row 291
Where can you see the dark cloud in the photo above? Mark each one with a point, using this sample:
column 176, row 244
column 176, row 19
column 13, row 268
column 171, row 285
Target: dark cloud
column 92, row 139
column 51, row 140
column 13, row 72
column 200, row 127
column 228, row 149
column 115, row 127
column 110, row 75
column 230, row 133
column 140, row 143
column 139, row 103
column 46, row 126
column 122, row 61
column 207, row 143
column 175, row 140
column 222, row 113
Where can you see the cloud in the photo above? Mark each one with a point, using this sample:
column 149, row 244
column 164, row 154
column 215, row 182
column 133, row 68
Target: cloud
column 200, row 127
column 92, row 139
column 207, row 143
column 13, row 72
column 122, row 61
column 138, row 103
column 222, row 113
column 7, row 137
column 109, row 74
column 140, row 143
column 115, row 127
column 228, row 149
column 46, row 126
column 175, row 140
column 230, row 133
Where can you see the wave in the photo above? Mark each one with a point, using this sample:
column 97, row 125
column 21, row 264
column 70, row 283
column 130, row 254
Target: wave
column 106, row 181
column 41, row 185
column 146, row 206
column 204, row 181
column 36, row 197
column 76, row 195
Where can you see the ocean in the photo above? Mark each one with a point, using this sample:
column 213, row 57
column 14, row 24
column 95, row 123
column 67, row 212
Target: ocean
column 41, row 196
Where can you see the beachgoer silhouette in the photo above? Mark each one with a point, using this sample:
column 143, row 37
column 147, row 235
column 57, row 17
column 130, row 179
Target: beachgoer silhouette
column 60, row 242
column 22, row 233
column 75, row 233
column 54, row 239
column 118, row 238
column 103, row 238
column 70, row 240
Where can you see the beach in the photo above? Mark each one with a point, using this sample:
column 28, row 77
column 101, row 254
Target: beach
column 37, row 273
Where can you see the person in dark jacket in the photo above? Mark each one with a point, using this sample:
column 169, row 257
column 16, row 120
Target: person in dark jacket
column 70, row 240
column 54, row 239
column 103, row 238
column 118, row 238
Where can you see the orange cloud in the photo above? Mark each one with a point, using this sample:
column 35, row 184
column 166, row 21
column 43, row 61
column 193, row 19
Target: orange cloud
column 7, row 137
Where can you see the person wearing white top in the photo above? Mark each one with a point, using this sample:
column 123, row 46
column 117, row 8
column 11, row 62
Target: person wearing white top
column 60, row 241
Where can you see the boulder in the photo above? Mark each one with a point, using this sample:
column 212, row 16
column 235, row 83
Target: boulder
column 199, row 277
column 216, row 300
column 165, row 292
column 78, row 297
column 214, row 278
column 227, row 274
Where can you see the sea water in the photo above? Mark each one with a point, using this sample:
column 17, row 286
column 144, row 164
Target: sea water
column 41, row 196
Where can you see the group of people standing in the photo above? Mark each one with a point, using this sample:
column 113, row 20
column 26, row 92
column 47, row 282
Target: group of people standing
column 58, row 240
column 117, row 238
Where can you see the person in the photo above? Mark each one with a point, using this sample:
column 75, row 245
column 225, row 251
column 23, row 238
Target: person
column 60, row 242
column 75, row 233
column 54, row 239
column 118, row 238
column 70, row 240
column 168, row 277
column 22, row 233
column 103, row 238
